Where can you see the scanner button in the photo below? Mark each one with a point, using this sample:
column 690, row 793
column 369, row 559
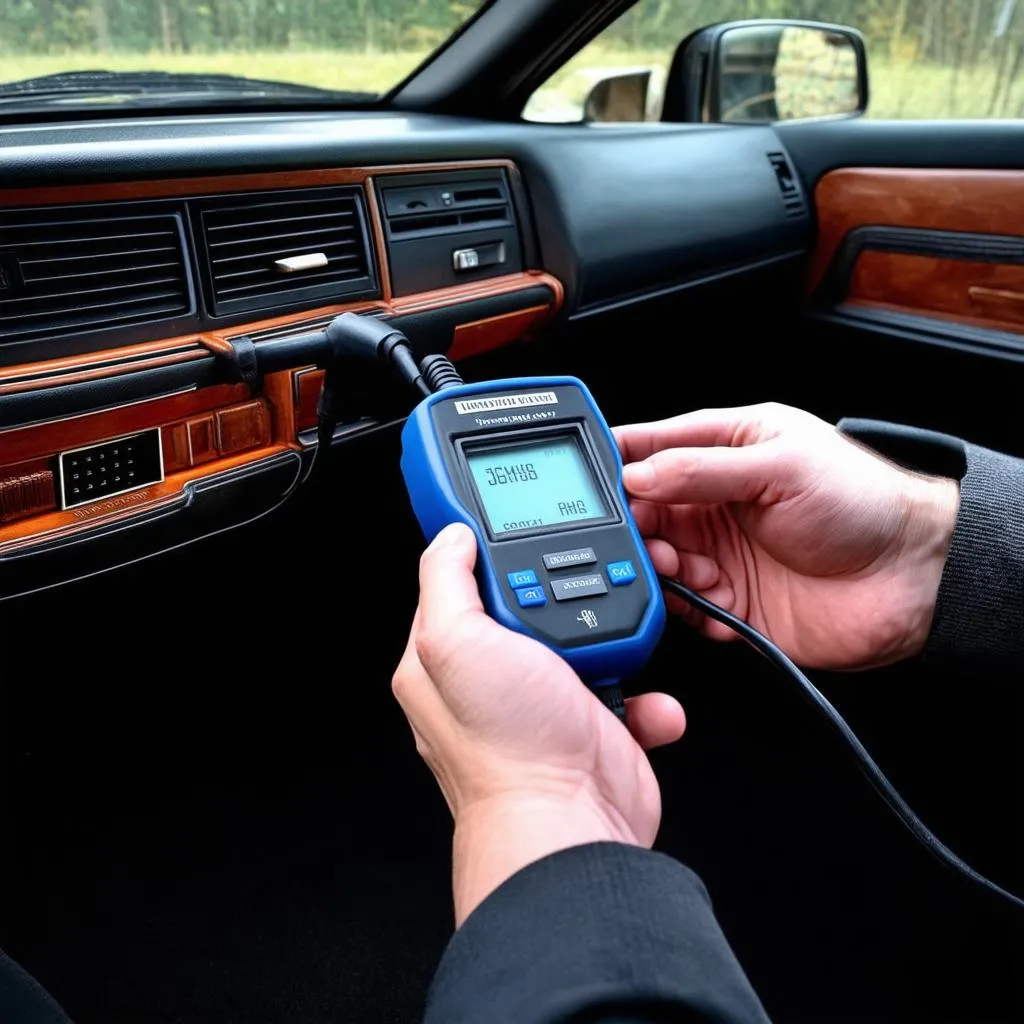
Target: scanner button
column 570, row 559
column 531, row 597
column 571, row 587
column 621, row 574
column 523, row 578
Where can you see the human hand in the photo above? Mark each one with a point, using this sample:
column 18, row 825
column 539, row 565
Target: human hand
column 529, row 760
column 830, row 550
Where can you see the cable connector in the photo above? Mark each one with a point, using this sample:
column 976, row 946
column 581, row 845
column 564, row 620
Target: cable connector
column 351, row 336
column 439, row 372
column 347, row 337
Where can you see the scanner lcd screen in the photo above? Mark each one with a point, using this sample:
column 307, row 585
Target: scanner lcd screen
column 529, row 485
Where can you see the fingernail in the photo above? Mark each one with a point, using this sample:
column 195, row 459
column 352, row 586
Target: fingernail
column 639, row 476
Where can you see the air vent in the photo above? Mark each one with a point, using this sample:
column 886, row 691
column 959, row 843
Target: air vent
column 792, row 197
column 279, row 248
column 446, row 207
column 70, row 270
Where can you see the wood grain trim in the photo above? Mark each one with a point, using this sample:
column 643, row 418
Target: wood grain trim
column 481, row 336
column 26, row 493
column 211, row 185
column 113, row 362
column 217, row 345
column 495, row 286
column 277, row 387
column 980, row 294
column 41, row 441
column 380, row 245
column 166, row 352
column 307, row 384
column 44, row 439
column 36, row 444
column 983, row 202
column 28, row 532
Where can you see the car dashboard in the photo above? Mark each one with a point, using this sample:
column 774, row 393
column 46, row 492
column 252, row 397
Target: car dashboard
column 134, row 252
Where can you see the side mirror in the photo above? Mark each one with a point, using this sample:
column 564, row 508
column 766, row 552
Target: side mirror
column 625, row 95
column 619, row 97
column 763, row 71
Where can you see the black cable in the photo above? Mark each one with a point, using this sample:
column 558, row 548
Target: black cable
column 404, row 362
column 865, row 762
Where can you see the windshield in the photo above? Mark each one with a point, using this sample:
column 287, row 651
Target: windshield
column 209, row 50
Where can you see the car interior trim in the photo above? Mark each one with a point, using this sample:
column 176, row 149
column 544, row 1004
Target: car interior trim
column 52, row 405
column 266, row 181
column 240, row 493
column 975, row 201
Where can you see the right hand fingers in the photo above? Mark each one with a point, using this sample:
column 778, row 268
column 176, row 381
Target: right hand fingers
column 703, row 429
column 700, row 573
column 709, row 475
column 696, row 571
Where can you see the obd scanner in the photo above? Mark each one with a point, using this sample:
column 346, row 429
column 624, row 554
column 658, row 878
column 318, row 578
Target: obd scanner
column 531, row 466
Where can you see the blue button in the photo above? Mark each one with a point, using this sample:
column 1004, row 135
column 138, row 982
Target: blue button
column 621, row 574
column 531, row 597
column 523, row 578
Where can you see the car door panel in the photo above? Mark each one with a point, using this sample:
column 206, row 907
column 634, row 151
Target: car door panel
column 939, row 244
column 911, row 283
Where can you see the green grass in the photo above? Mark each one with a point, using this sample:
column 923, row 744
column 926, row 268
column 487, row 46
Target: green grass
column 927, row 91
column 897, row 91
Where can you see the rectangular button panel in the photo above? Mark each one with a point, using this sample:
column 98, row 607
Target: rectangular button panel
column 106, row 470
column 569, row 588
column 569, row 559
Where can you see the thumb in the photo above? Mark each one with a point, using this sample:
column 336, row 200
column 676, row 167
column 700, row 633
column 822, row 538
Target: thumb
column 685, row 476
column 447, row 586
column 655, row 719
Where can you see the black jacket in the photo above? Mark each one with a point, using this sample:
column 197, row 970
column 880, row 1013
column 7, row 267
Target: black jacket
column 610, row 934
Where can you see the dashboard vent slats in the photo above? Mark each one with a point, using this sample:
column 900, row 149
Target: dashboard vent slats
column 792, row 197
column 251, row 244
column 72, row 270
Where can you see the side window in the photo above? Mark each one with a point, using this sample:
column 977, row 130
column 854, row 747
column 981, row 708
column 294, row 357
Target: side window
column 926, row 59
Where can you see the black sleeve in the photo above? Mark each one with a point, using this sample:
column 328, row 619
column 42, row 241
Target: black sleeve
column 598, row 934
column 980, row 612
column 23, row 1000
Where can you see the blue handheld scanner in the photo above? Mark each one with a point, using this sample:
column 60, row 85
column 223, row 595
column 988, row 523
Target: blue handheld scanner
column 530, row 465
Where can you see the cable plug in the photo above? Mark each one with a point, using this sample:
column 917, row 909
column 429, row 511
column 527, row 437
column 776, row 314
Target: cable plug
column 366, row 338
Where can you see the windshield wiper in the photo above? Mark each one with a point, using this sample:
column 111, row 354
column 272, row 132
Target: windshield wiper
column 90, row 86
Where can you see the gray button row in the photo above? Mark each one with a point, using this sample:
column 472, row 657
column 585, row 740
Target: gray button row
column 570, row 559
column 571, row 587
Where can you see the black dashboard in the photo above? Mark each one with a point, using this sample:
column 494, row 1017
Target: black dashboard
column 619, row 211
column 134, row 254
